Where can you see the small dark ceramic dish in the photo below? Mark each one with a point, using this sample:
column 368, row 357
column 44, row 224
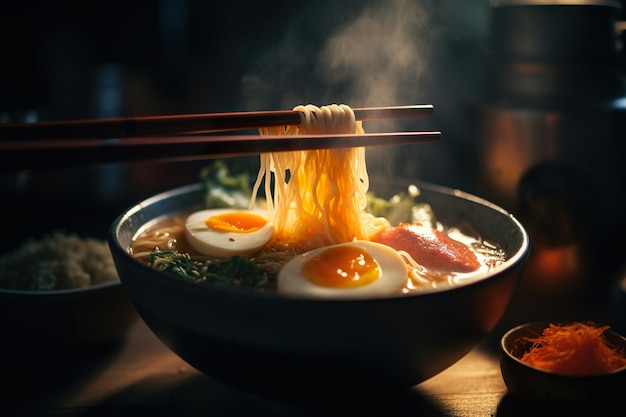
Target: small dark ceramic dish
column 302, row 350
column 538, row 387
column 59, row 322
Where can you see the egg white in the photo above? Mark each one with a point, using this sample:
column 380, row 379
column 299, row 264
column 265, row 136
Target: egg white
column 392, row 278
column 220, row 243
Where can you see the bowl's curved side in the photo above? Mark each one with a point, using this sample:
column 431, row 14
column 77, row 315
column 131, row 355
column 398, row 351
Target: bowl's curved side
column 373, row 345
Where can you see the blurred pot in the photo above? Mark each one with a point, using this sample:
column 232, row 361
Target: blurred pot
column 550, row 146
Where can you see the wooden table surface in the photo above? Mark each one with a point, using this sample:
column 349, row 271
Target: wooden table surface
column 142, row 377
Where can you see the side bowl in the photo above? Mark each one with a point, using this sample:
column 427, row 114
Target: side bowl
column 538, row 387
column 59, row 322
column 306, row 350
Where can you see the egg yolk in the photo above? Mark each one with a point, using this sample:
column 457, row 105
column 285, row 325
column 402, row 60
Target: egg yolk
column 236, row 221
column 341, row 267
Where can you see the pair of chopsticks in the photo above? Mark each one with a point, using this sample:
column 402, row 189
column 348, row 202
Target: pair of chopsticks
column 183, row 137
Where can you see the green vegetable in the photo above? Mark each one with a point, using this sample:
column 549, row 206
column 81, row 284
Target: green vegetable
column 225, row 190
column 401, row 208
column 234, row 272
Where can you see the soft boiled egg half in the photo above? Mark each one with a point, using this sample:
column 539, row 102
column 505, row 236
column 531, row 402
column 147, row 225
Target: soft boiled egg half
column 359, row 269
column 228, row 232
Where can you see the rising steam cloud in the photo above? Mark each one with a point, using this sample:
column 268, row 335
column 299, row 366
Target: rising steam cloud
column 371, row 55
column 383, row 54
column 365, row 53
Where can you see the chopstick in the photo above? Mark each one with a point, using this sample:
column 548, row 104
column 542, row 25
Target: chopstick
column 184, row 124
column 46, row 154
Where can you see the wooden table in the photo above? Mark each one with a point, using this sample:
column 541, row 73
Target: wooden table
column 142, row 377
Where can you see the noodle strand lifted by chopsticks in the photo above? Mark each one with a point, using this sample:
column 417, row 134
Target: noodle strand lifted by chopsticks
column 318, row 197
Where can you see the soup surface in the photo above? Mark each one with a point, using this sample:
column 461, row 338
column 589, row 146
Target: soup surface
column 437, row 255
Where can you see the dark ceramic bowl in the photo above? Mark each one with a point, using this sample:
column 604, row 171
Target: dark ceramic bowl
column 59, row 322
column 301, row 350
column 538, row 387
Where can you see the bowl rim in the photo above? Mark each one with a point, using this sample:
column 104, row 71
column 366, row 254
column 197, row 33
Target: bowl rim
column 480, row 279
column 507, row 340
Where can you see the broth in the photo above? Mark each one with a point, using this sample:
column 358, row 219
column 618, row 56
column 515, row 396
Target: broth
column 169, row 235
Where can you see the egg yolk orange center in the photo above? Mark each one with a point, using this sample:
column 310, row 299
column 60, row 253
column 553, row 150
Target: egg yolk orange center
column 342, row 267
column 236, row 221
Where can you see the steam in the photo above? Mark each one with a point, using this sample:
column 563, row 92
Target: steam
column 383, row 54
column 373, row 55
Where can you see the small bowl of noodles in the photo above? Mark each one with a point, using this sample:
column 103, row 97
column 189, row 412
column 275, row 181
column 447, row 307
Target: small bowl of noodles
column 564, row 365
column 304, row 282
column 60, row 295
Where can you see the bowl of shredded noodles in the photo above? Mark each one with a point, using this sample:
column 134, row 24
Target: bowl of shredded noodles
column 59, row 294
column 303, row 281
column 564, row 365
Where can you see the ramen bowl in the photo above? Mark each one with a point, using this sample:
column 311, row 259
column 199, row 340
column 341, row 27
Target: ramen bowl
column 301, row 350
column 536, row 387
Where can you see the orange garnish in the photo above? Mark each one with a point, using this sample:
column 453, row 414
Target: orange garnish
column 574, row 349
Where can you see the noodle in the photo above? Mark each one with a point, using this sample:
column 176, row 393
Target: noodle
column 319, row 196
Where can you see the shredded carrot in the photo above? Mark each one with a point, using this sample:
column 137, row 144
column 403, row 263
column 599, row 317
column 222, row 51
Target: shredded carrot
column 574, row 349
